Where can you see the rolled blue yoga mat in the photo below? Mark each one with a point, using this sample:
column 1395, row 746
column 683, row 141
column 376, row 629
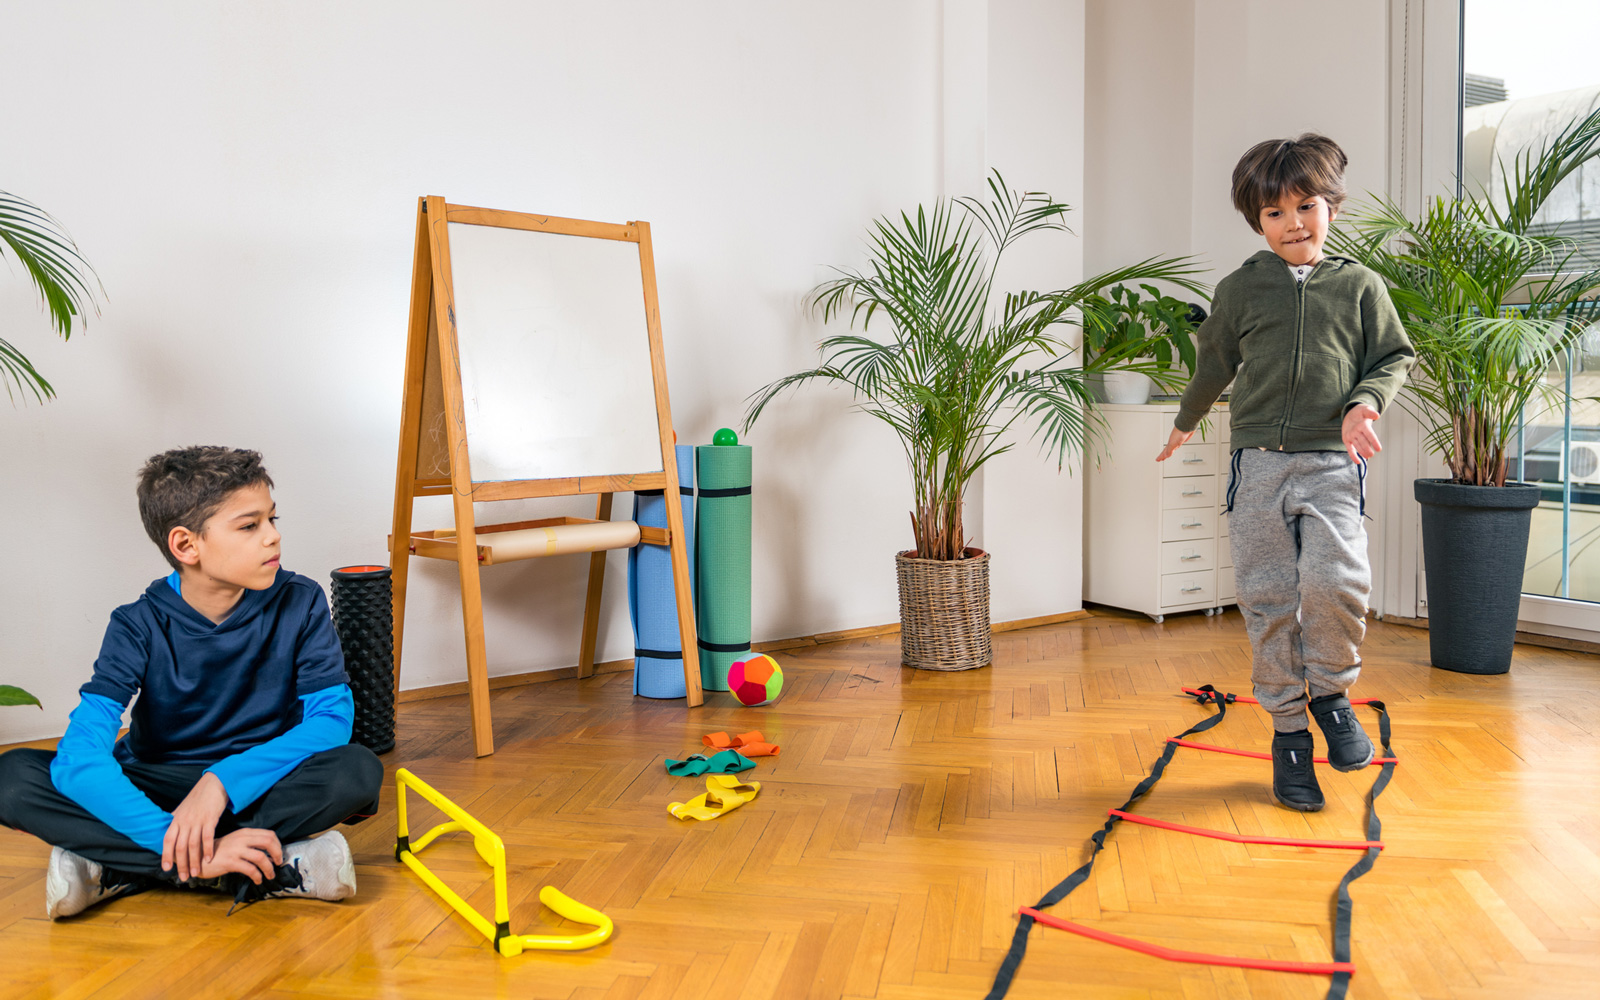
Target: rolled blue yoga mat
column 658, row 648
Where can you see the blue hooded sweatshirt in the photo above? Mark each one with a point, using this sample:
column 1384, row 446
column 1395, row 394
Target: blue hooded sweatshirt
column 248, row 699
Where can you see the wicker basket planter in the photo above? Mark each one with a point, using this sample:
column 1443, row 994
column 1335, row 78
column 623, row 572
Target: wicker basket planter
column 944, row 611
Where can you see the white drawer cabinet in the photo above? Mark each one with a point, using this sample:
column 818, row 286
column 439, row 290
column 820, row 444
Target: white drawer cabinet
column 1156, row 539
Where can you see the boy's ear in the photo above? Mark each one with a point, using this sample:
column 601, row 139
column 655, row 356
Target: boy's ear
column 181, row 542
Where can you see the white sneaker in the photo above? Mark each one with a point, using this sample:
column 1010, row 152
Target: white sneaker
column 313, row 869
column 72, row 884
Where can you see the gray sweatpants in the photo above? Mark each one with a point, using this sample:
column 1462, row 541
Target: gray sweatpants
column 1300, row 561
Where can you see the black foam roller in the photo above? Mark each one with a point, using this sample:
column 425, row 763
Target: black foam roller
column 363, row 615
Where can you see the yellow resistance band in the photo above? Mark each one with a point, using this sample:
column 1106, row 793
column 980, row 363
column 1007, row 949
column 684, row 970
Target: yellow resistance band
column 492, row 850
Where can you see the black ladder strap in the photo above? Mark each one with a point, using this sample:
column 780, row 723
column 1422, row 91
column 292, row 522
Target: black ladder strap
column 1019, row 939
column 1344, row 907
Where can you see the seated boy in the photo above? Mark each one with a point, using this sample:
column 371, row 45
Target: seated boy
column 238, row 748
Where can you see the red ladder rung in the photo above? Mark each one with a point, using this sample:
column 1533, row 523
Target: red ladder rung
column 1258, row 755
column 1350, row 845
column 1197, row 957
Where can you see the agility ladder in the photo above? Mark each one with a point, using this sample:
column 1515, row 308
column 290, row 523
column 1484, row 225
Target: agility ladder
column 1341, row 968
column 492, row 850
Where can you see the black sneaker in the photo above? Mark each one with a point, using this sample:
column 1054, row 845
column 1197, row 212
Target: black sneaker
column 1294, row 777
column 1349, row 749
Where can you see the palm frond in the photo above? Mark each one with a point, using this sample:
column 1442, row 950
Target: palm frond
column 59, row 272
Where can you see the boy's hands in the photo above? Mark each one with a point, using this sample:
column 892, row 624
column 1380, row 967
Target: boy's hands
column 1360, row 441
column 1177, row 439
column 188, row 842
column 253, row 853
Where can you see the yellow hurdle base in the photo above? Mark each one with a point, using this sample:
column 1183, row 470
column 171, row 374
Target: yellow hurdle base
column 492, row 850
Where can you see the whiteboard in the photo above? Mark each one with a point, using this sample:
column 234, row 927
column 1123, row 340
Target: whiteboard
column 555, row 355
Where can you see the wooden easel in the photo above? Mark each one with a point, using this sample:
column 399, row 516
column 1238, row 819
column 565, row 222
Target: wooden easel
column 432, row 463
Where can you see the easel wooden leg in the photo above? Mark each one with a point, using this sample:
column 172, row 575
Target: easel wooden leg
column 591, row 604
column 472, row 625
column 683, row 590
column 410, row 430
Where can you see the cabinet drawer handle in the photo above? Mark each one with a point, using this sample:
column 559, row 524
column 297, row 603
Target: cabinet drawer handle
column 1191, row 590
column 1193, row 493
column 1190, row 558
column 1192, row 524
column 1194, row 461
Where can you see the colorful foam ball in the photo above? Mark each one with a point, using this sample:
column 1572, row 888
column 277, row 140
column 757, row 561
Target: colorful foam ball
column 725, row 437
column 755, row 681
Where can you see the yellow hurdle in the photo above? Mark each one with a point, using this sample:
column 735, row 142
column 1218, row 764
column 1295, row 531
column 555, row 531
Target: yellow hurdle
column 492, row 850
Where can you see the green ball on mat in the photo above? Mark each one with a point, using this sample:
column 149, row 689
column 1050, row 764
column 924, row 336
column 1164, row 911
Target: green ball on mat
column 725, row 437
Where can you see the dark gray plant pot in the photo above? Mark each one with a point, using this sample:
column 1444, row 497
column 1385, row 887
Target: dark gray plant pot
column 1475, row 545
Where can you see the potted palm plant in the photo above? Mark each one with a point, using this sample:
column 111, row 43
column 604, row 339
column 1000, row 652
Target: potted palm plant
column 960, row 366
column 1489, row 307
column 1157, row 326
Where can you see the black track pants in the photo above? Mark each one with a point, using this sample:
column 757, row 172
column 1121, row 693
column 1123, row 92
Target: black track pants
column 338, row 785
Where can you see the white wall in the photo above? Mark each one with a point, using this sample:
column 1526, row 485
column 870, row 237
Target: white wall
column 1033, row 513
column 1179, row 89
column 243, row 178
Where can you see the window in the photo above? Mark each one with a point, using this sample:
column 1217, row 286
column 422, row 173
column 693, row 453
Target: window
column 1527, row 72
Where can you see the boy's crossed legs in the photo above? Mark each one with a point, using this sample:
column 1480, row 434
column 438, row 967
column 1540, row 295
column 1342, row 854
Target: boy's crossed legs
column 334, row 786
column 1300, row 561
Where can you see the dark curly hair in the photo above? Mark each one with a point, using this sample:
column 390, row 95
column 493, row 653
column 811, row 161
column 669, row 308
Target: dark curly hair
column 185, row 486
column 1309, row 164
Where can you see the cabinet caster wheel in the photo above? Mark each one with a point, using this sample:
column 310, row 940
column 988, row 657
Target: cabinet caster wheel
column 1209, row 611
column 1158, row 619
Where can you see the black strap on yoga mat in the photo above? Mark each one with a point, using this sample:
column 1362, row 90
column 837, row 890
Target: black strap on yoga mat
column 1343, row 906
column 724, row 647
column 730, row 491
column 683, row 491
column 658, row 654
column 1019, row 940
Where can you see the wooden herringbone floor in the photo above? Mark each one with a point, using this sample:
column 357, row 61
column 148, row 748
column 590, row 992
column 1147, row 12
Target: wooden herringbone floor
column 907, row 818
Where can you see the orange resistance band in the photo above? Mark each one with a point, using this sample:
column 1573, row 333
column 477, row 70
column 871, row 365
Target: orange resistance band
column 1197, row 957
column 1337, row 845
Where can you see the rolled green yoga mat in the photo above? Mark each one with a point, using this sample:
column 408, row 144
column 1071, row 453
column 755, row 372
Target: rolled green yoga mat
column 722, row 560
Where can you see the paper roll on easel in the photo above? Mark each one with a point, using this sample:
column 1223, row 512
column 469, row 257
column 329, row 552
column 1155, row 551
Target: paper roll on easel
column 559, row 540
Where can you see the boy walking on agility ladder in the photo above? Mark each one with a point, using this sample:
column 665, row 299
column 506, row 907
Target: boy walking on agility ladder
column 1316, row 353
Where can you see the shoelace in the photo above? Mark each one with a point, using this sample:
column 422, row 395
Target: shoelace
column 288, row 876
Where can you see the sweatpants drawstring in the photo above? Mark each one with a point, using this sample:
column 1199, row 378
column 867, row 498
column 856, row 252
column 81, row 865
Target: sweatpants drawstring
column 1233, row 478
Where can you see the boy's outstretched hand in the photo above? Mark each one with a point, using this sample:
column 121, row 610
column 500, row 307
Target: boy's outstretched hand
column 189, row 840
column 1360, row 441
column 1177, row 439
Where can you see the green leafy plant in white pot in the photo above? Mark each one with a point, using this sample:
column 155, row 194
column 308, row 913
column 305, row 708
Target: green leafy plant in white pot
column 959, row 369
column 1156, row 328
column 1490, row 307
column 52, row 262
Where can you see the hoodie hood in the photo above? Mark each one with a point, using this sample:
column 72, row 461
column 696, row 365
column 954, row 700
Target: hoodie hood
column 171, row 606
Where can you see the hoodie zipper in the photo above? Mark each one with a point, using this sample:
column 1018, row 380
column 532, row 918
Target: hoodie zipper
column 1299, row 341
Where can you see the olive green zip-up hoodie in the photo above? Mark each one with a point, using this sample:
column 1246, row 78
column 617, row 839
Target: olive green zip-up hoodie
column 1303, row 352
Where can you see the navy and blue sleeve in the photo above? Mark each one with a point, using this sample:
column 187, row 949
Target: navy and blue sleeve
column 326, row 719
column 84, row 769
column 327, row 713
